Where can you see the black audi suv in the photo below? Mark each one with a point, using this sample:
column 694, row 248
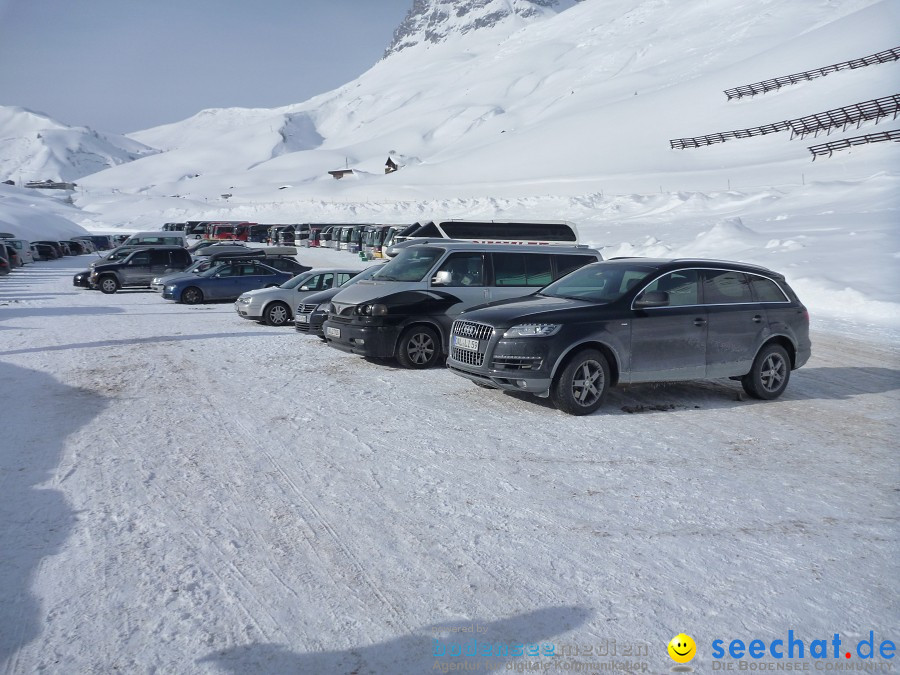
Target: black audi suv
column 632, row 320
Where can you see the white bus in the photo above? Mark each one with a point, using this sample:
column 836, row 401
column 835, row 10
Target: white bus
column 534, row 232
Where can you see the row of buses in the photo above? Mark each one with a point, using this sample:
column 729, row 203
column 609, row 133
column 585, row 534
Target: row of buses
column 372, row 240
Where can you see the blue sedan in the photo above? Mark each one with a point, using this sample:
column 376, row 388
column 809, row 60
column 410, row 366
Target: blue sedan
column 225, row 282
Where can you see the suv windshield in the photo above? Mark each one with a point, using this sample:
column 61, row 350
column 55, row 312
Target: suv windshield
column 601, row 282
column 411, row 264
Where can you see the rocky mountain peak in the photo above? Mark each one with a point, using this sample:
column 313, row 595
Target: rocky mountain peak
column 433, row 20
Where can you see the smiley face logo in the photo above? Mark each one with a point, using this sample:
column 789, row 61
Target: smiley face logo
column 682, row 648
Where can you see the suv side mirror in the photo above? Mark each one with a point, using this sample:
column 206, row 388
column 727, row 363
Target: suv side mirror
column 652, row 299
column 442, row 278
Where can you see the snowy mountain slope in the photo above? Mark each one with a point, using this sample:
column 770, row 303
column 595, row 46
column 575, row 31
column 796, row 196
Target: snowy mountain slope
column 216, row 141
column 35, row 147
column 591, row 96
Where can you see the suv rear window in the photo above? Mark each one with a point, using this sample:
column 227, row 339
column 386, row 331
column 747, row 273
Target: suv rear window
column 766, row 290
column 726, row 288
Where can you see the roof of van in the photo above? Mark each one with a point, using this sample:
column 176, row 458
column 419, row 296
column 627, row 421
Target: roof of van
column 158, row 233
column 457, row 245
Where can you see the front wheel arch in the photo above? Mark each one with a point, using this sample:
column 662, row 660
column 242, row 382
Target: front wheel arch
column 612, row 359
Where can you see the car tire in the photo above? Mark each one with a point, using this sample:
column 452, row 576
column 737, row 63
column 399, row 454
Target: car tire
column 108, row 284
column 770, row 373
column 419, row 347
column 191, row 295
column 568, row 391
column 277, row 314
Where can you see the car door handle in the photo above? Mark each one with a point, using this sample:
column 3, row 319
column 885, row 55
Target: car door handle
column 699, row 322
column 757, row 319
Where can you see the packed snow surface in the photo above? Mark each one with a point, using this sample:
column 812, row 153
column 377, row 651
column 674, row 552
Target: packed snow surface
column 187, row 491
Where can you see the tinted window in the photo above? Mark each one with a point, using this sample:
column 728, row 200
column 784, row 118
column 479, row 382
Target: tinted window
column 256, row 270
column 142, row 258
column 522, row 269
column 766, row 290
column 225, row 271
column 569, row 263
column 725, row 288
column 681, row 286
column 538, row 269
column 466, row 269
column 509, row 269
column 159, row 258
column 508, row 231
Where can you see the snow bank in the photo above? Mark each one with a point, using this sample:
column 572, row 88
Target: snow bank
column 30, row 215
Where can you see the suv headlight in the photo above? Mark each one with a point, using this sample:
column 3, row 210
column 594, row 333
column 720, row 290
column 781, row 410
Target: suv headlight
column 533, row 330
column 371, row 310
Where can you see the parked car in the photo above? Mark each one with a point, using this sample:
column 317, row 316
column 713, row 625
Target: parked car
column 4, row 266
column 9, row 252
column 224, row 282
column 311, row 313
column 285, row 264
column 43, row 251
column 229, row 246
column 23, row 248
column 75, row 247
column 57, row 247
column 139, row 267
column 637, row 320
column 159, row 283
column 405, row 310
column 274, row 306
column 83, row 278
column 157, row 238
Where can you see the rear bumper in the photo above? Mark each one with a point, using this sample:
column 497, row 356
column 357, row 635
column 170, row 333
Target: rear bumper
column 802, row 356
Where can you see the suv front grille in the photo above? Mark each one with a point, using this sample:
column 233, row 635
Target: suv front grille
column 467, row 356
column 472, row 330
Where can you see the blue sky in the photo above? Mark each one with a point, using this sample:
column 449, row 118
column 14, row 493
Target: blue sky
column 126, row 65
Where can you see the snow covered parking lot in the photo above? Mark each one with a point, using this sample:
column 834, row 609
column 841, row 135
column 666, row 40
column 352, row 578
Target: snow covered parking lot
column 185, row 491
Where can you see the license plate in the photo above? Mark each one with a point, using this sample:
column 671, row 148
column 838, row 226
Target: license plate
column 333, row 332
column 303, row 318
column 465, row 343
